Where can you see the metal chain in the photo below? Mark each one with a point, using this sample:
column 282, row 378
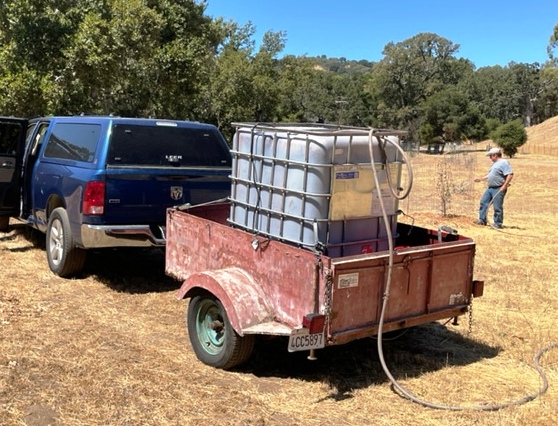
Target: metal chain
column 470, row 317
column 328, row 295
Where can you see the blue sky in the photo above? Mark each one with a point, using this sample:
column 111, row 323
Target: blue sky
column 488, row 32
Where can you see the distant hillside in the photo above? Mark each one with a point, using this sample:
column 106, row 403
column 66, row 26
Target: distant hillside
column 542, row 138
column 343, row 65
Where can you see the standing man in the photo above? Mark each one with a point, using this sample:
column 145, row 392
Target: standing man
column 498, row 179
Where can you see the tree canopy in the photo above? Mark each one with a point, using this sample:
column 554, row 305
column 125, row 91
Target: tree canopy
column 163, row 58
column 510, row 137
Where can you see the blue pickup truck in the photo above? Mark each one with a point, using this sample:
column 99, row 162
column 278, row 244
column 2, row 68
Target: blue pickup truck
column 93, row 182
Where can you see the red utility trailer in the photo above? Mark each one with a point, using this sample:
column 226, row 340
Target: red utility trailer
column 241, row 284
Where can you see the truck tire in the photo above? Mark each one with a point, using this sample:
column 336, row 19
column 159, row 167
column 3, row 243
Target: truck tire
column 213, row 339
column 64, row 258
column 4, row 223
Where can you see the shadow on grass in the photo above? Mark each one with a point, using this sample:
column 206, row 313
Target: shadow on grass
column 356, row 365
column 35, row 238
column 130, row 270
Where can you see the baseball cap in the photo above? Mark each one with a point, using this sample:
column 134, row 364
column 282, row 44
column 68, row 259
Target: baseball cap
column 493, row 151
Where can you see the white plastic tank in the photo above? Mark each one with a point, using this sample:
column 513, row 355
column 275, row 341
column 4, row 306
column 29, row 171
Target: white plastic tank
column 313, row 185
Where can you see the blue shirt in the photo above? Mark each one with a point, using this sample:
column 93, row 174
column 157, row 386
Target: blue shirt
column 498, row 172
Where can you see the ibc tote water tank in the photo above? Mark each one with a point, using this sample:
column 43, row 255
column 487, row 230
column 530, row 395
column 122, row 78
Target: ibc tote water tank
column 313, row 185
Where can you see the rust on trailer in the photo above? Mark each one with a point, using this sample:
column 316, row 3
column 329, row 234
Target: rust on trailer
column 281, row 277
column 427, row 283
column 230, row 286
column 347, row 336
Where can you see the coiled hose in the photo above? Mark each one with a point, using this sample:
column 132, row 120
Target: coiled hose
column 400, row 389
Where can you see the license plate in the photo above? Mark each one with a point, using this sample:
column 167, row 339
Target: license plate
column 301, row 340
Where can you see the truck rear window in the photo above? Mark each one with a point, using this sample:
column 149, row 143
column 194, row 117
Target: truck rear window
column 166, row 146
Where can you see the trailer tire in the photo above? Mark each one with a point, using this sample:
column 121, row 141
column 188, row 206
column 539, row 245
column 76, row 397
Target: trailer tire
column 4, row 223
column 64, row 258
column 213, row 339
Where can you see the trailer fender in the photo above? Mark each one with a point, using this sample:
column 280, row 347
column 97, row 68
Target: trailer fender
column 244, row 301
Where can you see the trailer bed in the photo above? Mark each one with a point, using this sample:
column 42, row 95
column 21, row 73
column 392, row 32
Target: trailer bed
column 270, row 287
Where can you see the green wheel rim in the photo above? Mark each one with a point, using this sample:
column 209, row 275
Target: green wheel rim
column 211, row 339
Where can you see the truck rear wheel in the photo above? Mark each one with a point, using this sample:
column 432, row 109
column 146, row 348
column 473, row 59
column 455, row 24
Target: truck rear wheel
column 64, row 258
column 213, row 339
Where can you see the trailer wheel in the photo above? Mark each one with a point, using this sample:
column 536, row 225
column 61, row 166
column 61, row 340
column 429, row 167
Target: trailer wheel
column 64, row 258
column 4, row 223
column 214, row 340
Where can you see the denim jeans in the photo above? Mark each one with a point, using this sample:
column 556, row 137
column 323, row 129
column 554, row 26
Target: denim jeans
column 496, row 197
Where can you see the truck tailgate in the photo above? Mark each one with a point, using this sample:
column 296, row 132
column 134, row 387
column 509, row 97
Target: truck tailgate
column 142, row 195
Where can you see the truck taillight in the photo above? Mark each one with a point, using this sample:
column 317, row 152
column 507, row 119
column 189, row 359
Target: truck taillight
column 94, row 198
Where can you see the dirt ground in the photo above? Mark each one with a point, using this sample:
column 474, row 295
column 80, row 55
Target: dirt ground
column 111, row 348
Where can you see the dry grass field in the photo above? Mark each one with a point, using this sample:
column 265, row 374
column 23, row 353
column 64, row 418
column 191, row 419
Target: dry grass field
column 110, row 348
column 542, row 138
